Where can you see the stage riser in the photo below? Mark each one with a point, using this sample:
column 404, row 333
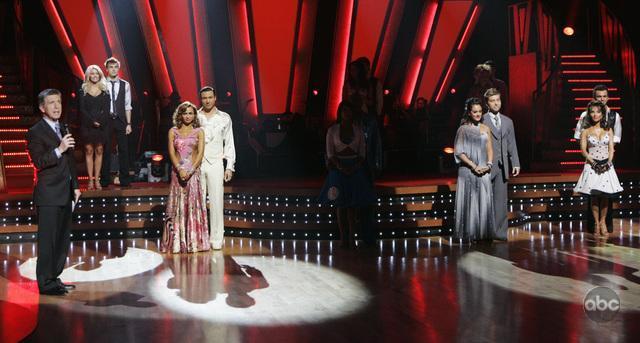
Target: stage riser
column 106, row 214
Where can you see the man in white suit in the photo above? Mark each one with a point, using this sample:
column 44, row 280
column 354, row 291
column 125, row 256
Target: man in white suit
column 219, row 146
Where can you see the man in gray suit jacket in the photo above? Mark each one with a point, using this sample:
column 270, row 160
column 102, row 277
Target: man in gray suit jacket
column 505, row 151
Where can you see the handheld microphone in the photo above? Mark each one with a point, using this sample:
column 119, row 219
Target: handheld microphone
column 66, row 132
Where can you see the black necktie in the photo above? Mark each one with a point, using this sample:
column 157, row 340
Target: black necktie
column 113, row 99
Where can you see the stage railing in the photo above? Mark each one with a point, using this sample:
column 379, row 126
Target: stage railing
column 547, row 104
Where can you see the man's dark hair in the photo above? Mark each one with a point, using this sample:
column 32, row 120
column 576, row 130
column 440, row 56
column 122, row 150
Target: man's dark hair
column 45, row 93
column 599, row 88
column 208, row 89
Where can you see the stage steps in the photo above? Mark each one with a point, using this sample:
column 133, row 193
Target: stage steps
column 16, row 116
column 268, row 211
column 580, row 72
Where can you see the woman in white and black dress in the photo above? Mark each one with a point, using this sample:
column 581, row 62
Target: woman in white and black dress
column 598, row 178
column 473, row 153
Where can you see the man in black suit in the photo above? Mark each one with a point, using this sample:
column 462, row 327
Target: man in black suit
column 119, row 124
column 50, row 149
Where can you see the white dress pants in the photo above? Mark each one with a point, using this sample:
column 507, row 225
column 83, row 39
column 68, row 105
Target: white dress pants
column 212, row 182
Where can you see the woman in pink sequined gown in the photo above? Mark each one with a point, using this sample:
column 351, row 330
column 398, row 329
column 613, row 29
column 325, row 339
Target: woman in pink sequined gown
column 185, row 226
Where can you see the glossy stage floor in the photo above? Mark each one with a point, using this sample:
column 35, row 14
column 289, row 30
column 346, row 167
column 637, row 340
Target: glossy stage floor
column 271, row 284
column 530, row 288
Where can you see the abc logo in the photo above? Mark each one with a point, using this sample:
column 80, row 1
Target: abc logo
column 601, row 304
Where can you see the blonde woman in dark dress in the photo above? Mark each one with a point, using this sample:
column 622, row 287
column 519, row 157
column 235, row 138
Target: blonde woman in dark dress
column 94, row 111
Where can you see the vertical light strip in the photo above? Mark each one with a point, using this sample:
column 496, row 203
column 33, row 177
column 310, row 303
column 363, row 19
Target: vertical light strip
column 63, row 37
column 243, row 62
column 304, row 52
column 416, row 58
column 154, row 48
column 339, row 57
column 446, row 78
column 463, row 41
column 390, row 34
column 203, row 43
column 113, row 39
column 470, row 24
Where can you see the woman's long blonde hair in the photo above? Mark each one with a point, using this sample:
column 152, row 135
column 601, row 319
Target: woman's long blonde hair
column 102, row 83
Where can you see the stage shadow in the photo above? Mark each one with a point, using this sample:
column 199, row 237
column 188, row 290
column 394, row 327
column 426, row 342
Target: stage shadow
column 202, row 277
column 122, row 298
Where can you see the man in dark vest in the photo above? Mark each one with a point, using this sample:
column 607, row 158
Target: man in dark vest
column 118, row 124
column 50, row 148
column 601, row 93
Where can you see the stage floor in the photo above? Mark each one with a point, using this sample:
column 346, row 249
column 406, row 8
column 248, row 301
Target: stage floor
column 531, row 288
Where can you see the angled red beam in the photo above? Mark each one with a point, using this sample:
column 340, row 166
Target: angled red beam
column 451, row 21
column 243, row 60
column 369, row 21
column 158, row 62
column 418, row 50
column 203, row 43
column 82, row 20
column 113, row 39
column 388, row 41
column 306, row 29
column 174, row 21
column 274, row 30
column 470, row 24
column 340, row 54
column 63, row 38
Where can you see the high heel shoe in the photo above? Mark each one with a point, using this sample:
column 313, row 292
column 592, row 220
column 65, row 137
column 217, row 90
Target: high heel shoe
column 596, row 230
column 90, row 186
column 603, row 230
column 98, row 185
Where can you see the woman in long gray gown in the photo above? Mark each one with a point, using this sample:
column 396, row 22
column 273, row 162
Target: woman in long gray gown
column 474, row 198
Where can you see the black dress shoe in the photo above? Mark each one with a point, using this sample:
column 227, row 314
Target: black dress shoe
column 54, row 291
column 66, row 286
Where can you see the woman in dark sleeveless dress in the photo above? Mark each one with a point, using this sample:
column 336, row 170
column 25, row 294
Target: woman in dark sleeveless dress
column 94, row 111
column 347, row 186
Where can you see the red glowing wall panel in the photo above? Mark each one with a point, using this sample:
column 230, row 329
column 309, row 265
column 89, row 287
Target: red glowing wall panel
column 339, row 57
column 203, row 42
column 274, row 29
column 154, row 48
column 304, row 50
column 416, row 57
column 450, row 21
column 369, row 21
column 63, row 38
column 243, row 61
column 85, row 29
column 174, row 19
column 388, row 42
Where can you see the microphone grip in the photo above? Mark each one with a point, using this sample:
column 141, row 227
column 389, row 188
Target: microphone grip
column 66, row 132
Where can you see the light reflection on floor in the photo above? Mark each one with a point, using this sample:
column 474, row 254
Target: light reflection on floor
column 430, row 282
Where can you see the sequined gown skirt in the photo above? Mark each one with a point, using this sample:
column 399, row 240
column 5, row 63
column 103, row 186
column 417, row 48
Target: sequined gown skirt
column 185, row 227
column 474, row 206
